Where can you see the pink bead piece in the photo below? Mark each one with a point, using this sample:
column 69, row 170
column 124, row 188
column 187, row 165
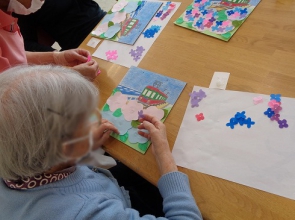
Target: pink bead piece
column 257, row 100
column 200, row 117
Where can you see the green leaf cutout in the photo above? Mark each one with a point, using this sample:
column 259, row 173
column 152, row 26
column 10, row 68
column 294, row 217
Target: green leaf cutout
column 115, row 90
column 144, row 146
column 226, row 35
column 166, row 112
column 189, row 7
column 117, row 113
column 124, row 137
column 190, row 24
column 179, row 20
column 237, row 23
column 102, row 36
column 106, row 108
column 222, row 16
column 139, row 3
column 134, row 123
column 110, row 24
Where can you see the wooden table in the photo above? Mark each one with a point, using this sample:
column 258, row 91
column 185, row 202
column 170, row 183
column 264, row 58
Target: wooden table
column 260, row 58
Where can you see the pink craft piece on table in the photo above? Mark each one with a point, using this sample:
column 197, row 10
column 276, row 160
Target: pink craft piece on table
column 257, row 100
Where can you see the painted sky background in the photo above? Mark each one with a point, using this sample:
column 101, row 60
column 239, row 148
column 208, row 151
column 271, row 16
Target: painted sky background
column 138, row 79
column 144, row 13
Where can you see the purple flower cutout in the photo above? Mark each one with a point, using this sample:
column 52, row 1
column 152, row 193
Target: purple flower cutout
column 140, row 114
column 275, row 117
column 283, row 123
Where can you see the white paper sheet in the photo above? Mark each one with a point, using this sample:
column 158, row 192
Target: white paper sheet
column 262, row 157
column 124, row 58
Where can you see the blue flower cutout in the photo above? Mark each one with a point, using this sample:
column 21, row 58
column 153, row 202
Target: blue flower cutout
column 276, row 97
column 269, row 112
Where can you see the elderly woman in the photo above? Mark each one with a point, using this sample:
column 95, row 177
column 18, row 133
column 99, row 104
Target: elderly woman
column 45, row 131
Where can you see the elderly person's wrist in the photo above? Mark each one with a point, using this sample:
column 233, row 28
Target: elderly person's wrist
column 166, row 163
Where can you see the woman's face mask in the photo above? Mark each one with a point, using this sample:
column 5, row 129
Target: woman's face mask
column 92, row 120
column 18, row 8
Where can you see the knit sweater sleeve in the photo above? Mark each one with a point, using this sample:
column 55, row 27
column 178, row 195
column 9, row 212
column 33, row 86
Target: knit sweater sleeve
column 178, row 203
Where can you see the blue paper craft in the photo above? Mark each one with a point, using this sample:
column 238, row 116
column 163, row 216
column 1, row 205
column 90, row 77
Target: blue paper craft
column 146, row 92
column 138, row 15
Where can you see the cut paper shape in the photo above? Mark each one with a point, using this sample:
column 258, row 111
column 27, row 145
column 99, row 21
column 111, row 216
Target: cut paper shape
column 147, row 93
column 140, row 114
column 154, row 111
column 100, row 29
column 261, row 157
column 269, row 112
column 112, row 30
column 275, row 117
column 216, row 18
column 150, row 32
column 134, row 137
column 88, row 58
column 118, row 18
column 130, row 110
column 131, row 6
column 257, row 100
column 283, row 123
column 272, row 103
column 117, row 113
column 276, row 108
column 112, row 55
column 136, row 54
column 119, row 5
column 276, row 97
column 116, row 101
column 196, row 97
column 119, row 122
column 124, row 58
column 129, row 23
column 241, row 119
column 200, row 117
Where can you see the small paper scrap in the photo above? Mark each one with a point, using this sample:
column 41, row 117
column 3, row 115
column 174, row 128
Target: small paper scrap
column 219, row 80
column 93, row 42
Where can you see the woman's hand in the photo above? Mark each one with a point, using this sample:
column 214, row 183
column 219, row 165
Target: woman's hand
column 102, row 132
column 90, row 69
column 71, row 57
column 160, row 146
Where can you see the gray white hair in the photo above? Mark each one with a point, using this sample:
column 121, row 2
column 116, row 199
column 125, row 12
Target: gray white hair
column 39, row 105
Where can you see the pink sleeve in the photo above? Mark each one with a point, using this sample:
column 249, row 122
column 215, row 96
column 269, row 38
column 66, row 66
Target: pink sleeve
column 4, row 62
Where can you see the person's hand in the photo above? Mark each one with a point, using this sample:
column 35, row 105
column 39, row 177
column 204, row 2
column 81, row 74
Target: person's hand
column 102, row 132
column 90, row 69
column 160, row 145
column 71, row 57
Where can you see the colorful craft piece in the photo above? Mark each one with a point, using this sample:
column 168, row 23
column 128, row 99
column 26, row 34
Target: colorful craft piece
column 140, row 114
column 154, row 111
column 200, row 117
column 119, row 5
column 126, row 21
column 131, row 109
column 120, row 123
column 257, row 100
column 136, row 54
column 165, row 11
column 218, row 18
column 112, row 55
column 276, row 97
column 112, row 31
column 89, row 58
column 269, row 112
column 117, row 101
column 150, row 32
column 275, row 108
column 119, row 17
column 140, row 92
column 135, row 138
column 196, row 97
column 283, row 123
column 241, row 119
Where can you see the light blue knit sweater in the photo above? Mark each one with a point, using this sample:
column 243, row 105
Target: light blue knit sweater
column 86, row 194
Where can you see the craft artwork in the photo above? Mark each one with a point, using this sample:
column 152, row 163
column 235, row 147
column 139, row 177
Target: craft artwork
column 126, row 20
column 131, row 55
column 216, row 18
column 239, row 140
column 140, row 92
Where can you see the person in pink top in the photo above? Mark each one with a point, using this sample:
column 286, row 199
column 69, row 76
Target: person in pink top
column 12, row 50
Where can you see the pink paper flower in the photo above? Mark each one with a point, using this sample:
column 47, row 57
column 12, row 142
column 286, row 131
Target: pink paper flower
column 116, row 101
column 119, row 17
column 131, row 109
column 119, row 5
column 154, row 111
